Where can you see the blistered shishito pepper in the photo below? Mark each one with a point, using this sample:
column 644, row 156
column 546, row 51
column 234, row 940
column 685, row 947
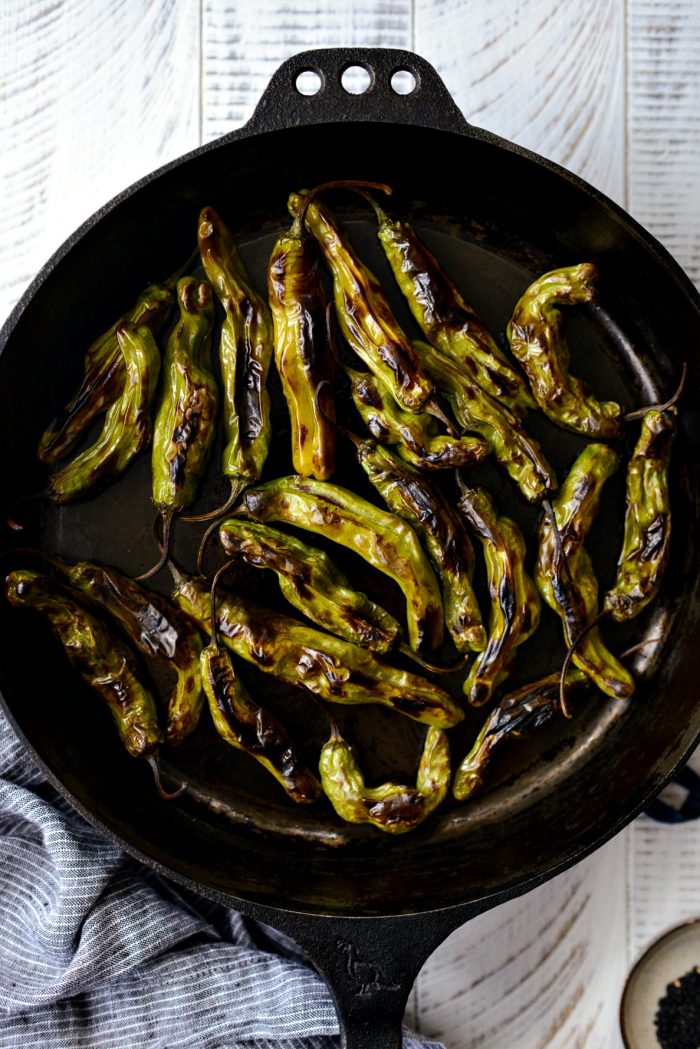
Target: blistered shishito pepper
column 127, row 425
column 104, row 662
column 414, row 434
column 103, row 377
column 382, row 539
column 517, row 452
column 518, row 714
column 313, row 584
column 445, row 317
column 515, row 603
column 245, row 354
column 158, row 629
column 413, row 498
column 324, row 665
column 391, row 807
column 564, row 573
column 647, row 535
column 245, row 725
column 538, row 341
column 364, row 314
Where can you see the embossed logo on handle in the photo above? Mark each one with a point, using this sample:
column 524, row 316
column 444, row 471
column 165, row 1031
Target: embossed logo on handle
column 364, row 975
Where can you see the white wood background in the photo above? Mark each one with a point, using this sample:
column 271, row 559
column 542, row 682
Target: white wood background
column 95, row 93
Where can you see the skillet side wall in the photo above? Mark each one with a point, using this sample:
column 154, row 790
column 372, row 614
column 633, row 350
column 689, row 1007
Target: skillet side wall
column 513, row 206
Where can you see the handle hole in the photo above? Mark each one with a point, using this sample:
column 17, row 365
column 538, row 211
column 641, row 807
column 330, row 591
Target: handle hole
column 403, row 82
column 356, row 80
column 308, row 82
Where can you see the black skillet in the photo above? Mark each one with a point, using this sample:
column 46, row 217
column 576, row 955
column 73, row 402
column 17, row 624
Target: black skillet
column 367, row 908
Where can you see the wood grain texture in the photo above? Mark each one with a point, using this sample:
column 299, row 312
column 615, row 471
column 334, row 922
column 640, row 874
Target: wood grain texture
column 92, row 96
column 546, row 74
column 664, row 123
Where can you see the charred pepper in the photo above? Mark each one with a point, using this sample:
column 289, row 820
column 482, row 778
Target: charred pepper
column 518, row 714
column 445, row 317
column 414, row 434
column 564, row 573
column 537, row 339
column 382, row 539
column 392, row 807
column 324, row 665
column 647, row 535
column 102, row 659
column 515, row 603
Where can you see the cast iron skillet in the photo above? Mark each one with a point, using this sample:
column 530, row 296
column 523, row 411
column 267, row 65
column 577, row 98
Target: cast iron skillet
column 367, row 908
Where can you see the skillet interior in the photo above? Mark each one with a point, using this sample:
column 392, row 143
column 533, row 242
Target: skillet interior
column 496, row 218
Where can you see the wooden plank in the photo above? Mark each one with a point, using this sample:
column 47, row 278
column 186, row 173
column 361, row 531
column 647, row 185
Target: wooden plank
column 548, row 75
column 664, row 124
column 92, row 97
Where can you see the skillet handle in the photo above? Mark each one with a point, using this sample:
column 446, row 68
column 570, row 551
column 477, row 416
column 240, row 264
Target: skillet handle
column 282, row 104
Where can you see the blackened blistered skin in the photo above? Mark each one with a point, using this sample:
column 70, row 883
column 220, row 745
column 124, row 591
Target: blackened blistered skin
column 313, row 584
column 245, row 352
column 564, row 573
column 385, row 541
column 446, row 318
column 127, row 425
column 647, row 535
column 104, row 375
column 414, row 434
column 537, row 339
column 364, row 314
column 413, row 498
column 391, row 807
column 518, row 714
column 248, row 727
column 515, row 604
column 324, row 665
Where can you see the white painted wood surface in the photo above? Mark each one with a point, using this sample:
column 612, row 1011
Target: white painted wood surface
column 95, row 93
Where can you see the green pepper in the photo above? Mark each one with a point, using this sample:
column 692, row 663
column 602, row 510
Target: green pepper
column 104, row 375
column 127, row 425
column 413, row 434
column 515, row 604
column 324, row 665
column 564, row 573
column 645, row 546
column 392, row 807
column 412, row 497
column 514, row 449
column 444, row 316
column 382, row 539
column 104, row 662
column 518, row 714
column 537, row 339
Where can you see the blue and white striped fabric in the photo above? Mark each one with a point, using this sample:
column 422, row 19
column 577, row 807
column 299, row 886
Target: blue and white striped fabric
column 96, row 952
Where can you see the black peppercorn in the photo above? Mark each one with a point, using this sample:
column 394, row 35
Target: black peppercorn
column 677, row 1017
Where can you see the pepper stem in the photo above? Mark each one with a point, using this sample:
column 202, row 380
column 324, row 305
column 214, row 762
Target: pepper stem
column 352, row 184
column 569, row 656
column 203, row 544
column 167, row 519
column 10, row 519
column 213, row 625
column 434, row 408
column 152, row 760
column 433, row 668
column 641, row 412
column 237, row 487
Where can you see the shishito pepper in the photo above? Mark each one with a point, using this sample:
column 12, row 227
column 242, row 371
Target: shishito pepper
column 515, row 603
column 104, row 662
column 517, row 452
column 382, row 539
column 324, row 665
column 413, row 498
column 391, row 807
column 518, row 714
column 364, row 314
column 445, row 317
column 104, row 373
column 245, row 725
column 413, row 434
column 127, row 425
column 245, row 354
column 647, row 535
column 564, row 572
column 537, row 339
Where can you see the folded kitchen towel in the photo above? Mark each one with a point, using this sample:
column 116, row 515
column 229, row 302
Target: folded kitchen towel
column 97, row 952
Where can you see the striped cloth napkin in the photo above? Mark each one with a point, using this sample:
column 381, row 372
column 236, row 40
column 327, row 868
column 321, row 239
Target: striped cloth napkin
column 97, row 952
